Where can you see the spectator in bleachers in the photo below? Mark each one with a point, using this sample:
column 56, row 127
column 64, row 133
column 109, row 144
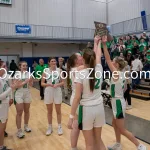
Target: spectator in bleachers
column 145, row 37
column 136, row 67
column 129, row 58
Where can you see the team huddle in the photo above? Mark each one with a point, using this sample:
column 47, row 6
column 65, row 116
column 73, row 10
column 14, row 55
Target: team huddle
column 87, row 109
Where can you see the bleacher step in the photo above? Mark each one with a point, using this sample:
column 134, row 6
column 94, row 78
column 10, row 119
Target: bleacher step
column 143, row 87
column 142, row 92
column 144, row 83
column 140, row 97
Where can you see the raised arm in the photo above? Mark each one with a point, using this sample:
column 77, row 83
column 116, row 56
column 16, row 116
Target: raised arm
column 96, row 40
column 107, row 56
column 98, row 53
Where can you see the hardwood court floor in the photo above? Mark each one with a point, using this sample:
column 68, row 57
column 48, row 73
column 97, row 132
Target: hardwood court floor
column 38, row 121
column 140, row 109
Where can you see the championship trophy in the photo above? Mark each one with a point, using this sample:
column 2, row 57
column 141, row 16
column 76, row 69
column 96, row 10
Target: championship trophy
column 101, row 30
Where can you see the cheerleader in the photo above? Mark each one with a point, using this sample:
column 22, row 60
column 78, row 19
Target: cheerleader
column 118, row 101
column 53, row 93
column 22, row 98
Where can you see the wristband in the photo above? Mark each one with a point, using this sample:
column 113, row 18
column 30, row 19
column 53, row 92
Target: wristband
column 71, row 116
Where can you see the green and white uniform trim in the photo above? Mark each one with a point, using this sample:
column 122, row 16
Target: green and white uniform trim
column 117, row 94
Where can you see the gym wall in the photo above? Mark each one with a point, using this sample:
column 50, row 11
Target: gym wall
column 66, row 13
column 122, row 10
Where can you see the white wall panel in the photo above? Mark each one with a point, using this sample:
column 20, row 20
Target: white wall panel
column 13, row 13
column 55, row 50
column 50, row 12
column 122, row 10
column 11, row 49
column 88, row 11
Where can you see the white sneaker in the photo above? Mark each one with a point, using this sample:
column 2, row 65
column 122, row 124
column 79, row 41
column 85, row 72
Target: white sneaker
column 60, row 131
column 142, row 147
column 49, row 131
column 20, row 134
column 27, row 129
column 116, row 146
column 129, row 107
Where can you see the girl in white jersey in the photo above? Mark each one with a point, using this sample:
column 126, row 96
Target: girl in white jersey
column 5, row 92
column 118, row 101
column 53, row 93
column 88, row 94
column 73, row 64
column 22, row 98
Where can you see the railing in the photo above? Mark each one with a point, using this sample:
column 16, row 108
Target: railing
column 41, row 31
column 130, row 26
column 55, row 32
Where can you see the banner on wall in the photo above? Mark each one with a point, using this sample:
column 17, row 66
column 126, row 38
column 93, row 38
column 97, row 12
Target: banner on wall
column 8, row 2
column 144, row 21
column 25, row 29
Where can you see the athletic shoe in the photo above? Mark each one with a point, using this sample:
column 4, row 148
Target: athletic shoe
column 5, row 134
column 129, row 107
column 20, row 134
column 116, row 146
column 5, row 148
column 49, row 131
column 141, row 147
column 27, row 129
column 60, row 131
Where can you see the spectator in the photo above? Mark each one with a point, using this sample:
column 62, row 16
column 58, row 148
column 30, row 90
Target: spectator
column 61, row 65
column 127, row 95
column 135, row 48
column 137, row 66
column 129, row 58
column 34, row 65
column 142, row 45
column 147, row 62
column 39, row 71
column 13, row 67
column 145, row 37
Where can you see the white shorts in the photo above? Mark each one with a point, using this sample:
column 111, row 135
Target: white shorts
column 52, row 95
column 23, row 96
column 4, row 112
column 118, row 107
column 93, row 117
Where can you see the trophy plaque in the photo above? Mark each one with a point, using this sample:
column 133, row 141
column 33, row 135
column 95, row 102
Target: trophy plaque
column 101, row 30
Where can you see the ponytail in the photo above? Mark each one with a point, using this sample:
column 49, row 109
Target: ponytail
column 70, row 64
column 92, row 75
column 90, row 57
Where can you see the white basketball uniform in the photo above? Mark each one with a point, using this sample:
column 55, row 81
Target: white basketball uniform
column 93, row 114
column 53, row 95
column 117, row 94
column 5, row 92
column 22, row 95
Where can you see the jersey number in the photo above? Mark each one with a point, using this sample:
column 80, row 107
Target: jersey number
column 97, row 83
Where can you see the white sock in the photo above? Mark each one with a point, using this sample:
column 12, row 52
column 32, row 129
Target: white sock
column 19, row 130
column 59, row 125
column 25, row 125
column 1, row 147
column 50, row 125
column 118, row 143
